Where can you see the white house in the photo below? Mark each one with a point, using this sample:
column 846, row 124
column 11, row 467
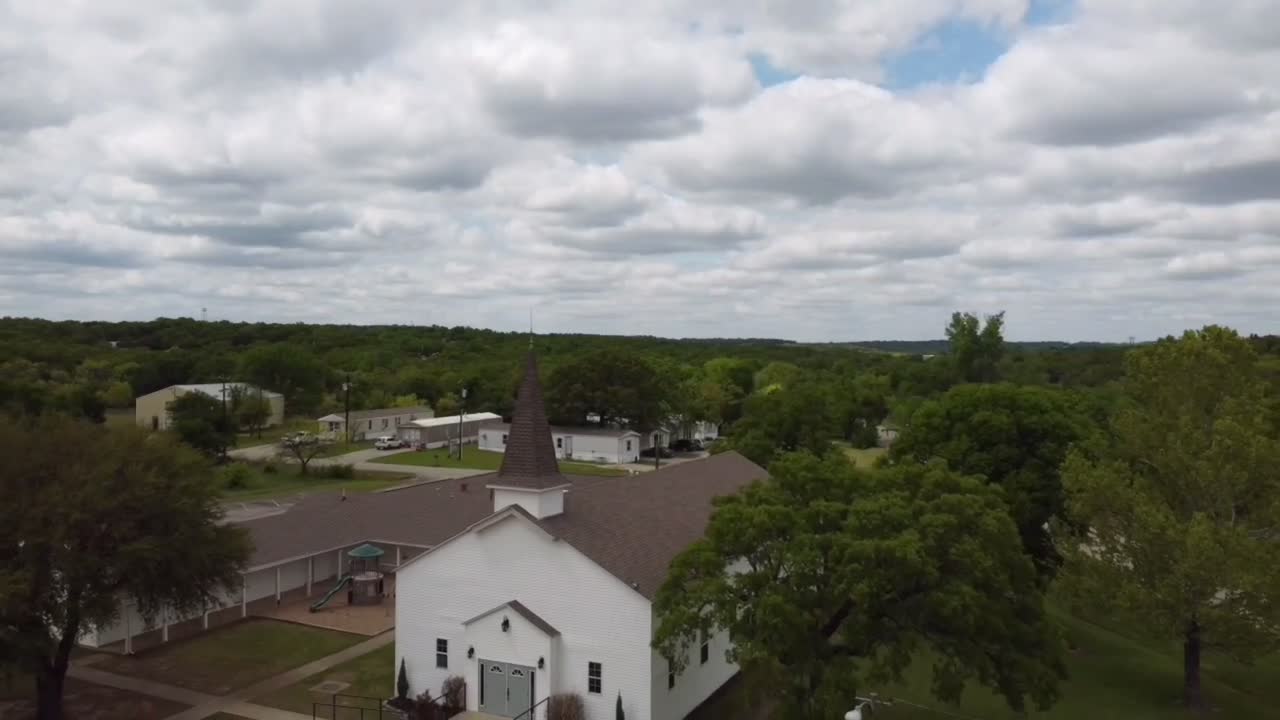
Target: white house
column 701, row 430
column 367, row 424
column 886, row 434
column 444, row 431
column 603, row 445
column 552, row 592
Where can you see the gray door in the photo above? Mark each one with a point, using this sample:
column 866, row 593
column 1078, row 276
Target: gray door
column 493, row 687
column 519, row 690
column 506, row 690
column 568, row 446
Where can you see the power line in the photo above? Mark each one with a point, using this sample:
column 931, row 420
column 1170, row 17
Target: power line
column 918, row 706
column 875, row 700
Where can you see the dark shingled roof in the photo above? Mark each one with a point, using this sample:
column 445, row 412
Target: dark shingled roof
column 530, row 457
column 635, row 526
column 631, row 526
column 518, row 608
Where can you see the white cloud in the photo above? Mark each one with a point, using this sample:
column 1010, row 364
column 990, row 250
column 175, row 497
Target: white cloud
column 1113, row 174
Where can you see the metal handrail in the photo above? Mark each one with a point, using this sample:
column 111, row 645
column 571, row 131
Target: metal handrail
column 528, row 714
column 334, row 704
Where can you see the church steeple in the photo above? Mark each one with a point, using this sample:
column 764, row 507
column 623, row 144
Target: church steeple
column 530, row 458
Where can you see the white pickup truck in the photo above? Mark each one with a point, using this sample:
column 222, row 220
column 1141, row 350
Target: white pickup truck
column 389, row 442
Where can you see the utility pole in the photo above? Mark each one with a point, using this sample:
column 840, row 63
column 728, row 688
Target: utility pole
column 225, row 424
column 462, row 411
column 346, row 408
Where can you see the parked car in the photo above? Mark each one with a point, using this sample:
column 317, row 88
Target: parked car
column 389, row 442
column 662, row 452
column 686, row 445
column 301, row 437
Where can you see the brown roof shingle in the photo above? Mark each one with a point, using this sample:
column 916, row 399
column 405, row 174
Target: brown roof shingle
column 631, row 526
column 635, row 526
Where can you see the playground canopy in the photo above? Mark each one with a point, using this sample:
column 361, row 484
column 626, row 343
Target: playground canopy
column 365, row 552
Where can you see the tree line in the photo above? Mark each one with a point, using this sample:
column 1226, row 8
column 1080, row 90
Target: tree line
column 88, row 369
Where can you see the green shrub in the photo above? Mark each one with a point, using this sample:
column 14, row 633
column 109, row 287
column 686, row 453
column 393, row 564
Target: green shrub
column 269, row 469
column 338, row 471
column 402, row 683
column 235, row 477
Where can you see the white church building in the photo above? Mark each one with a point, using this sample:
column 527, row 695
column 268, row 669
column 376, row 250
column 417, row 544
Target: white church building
column 525, row 582
column 552, row 591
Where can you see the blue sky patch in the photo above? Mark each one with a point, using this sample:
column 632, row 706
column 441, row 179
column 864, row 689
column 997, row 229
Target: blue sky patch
column 958, row 50
column 961, row 50
column 767, row 74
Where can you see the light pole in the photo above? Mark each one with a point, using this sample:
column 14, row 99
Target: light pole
column 346, row 408
column 225, row 422
column 462, row 410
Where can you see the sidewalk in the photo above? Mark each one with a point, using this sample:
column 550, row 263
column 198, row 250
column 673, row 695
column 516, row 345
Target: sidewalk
column 140, row 686
column 237, row 703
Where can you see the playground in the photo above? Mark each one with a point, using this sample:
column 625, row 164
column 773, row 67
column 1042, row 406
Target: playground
column 361, row 600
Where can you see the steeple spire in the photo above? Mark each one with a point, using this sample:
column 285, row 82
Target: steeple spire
column 530, row 458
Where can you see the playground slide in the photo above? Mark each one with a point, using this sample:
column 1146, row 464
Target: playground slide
column 345, row 581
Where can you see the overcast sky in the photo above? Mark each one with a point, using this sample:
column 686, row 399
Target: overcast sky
column 808, row 169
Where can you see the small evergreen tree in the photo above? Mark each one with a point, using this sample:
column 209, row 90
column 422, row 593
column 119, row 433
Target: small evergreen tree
column 620, row 715
column 402, row 682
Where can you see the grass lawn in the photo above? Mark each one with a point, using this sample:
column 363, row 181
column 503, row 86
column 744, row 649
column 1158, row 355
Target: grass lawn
column 337, row 449
column 1113, row 676
column 86, row 701
column 286, row 481
column 864, row 457
column 371, row 675
column 486, row 460
column 232, row 657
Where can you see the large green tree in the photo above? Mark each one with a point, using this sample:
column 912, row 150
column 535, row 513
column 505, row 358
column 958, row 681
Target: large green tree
column 859, row 404
column 976, row 347
column 288, row 369
column 250, row 409
column 775, row 376
column 206, row 424
column 1179, row 513
column 618, row 386
column 831, row 579
column 1015, row 437
column 787, row 419
column 92, row 517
